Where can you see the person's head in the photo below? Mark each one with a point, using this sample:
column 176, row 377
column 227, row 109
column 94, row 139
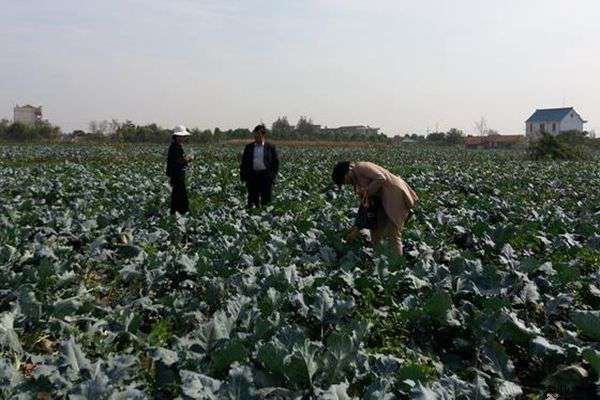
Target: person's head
column 179, row 139
column 180, row 134
column 260, row 132
column 340, row 173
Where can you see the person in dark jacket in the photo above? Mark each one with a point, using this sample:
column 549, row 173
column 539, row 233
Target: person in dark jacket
column 177, row 162
column 259, row 167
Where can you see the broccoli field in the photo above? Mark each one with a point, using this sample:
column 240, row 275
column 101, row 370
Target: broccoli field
column 103, row 295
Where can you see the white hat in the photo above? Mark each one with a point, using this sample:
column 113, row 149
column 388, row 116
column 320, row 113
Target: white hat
column 180, row 131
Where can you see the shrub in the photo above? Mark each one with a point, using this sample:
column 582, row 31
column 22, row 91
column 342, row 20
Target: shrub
column 549, row 147
column 19, row 132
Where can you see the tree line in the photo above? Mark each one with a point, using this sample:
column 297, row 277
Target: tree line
column 280, row 129
column 127, row 131
column 19, row 132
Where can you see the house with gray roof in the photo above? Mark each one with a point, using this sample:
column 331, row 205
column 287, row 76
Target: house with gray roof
column 554, row 121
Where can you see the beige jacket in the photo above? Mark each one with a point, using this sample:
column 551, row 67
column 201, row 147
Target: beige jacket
column 396, row 196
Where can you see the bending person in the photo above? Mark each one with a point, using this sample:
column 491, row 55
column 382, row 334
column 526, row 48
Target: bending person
column 397, row 199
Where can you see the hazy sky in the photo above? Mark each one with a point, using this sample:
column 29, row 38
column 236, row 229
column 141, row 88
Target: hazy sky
column 404, row 66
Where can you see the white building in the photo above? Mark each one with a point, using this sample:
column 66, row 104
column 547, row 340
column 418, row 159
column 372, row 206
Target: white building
column 554, row 121
column 27, row 114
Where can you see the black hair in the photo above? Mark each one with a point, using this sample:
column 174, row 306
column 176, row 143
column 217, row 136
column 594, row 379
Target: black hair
column 339, row 172
column 260, row 128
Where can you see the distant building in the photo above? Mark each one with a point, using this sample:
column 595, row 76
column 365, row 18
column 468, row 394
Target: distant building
column 359, row 130
column 493, row 141
column 554, row 121
column 27, row 114
column 400, row 140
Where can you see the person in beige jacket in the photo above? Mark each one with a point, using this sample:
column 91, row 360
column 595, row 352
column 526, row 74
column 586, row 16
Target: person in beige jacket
column 397, row 198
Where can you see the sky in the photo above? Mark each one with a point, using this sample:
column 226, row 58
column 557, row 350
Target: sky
column 403, row 66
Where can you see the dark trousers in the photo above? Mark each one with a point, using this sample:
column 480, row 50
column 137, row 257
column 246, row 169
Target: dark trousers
column 260, row 187
column 179, row 199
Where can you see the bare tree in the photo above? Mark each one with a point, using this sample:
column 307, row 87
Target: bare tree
column 481, row 126
column 93, row 126
column 113, row 126
column 104, row 127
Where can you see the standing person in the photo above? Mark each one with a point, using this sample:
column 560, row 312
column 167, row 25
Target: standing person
column 177, row 162
column 374, row 184
column 259, row 167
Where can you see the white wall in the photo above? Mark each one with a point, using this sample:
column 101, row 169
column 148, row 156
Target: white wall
column 25, row 115
column 537, row 127
column 571, row 122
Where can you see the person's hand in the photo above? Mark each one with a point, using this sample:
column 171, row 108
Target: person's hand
column 189, row 157
column 352, row 234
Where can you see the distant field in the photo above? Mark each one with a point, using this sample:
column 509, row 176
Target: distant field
column 103, row 294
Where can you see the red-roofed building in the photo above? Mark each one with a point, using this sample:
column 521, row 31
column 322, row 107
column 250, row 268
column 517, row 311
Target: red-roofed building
column 493, row 141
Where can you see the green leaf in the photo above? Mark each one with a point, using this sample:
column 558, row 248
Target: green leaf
column 29, row 304
column 240, row 386
column 8, row 336
column 227, row 353
column 165, row 356
column 566, row 378
column 593, row 357
column 73, row 357
column 199, row 386
column 10, row 377
column 301, row 365
column 508, row 390
column 541, row 346
column 341, row 353
column 271, row 355
column 588, row 322
column 336, row 392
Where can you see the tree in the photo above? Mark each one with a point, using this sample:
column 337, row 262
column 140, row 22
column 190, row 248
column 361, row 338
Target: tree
column 104, row 127
column 20, row 132
column 281, row 127
column 113, row 126
column 549, row 147
column 4, row 124
column 481, row 126
column 305, row 127
column 574, row 137
column 436, row 137
column 455, row 136
column 93, row 127
column 218, row 134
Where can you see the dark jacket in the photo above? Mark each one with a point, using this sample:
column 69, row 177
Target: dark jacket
column 271, row 160
column 176, row 162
